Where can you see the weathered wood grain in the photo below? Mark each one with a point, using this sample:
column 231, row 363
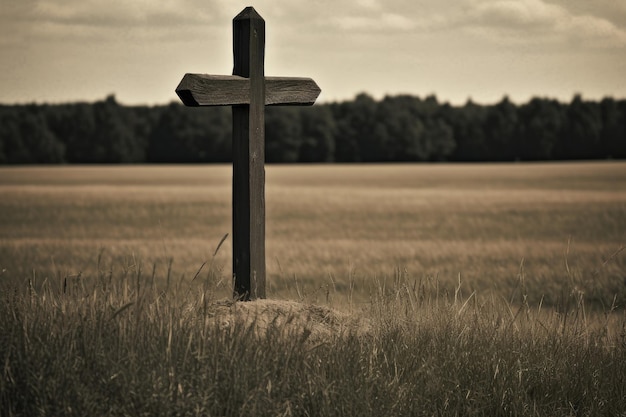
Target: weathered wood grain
column 249, row 158
column 224, row 90
column 248, row 91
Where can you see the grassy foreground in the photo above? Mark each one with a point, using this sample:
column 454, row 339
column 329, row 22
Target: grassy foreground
column 120, row 347
column 415, row 290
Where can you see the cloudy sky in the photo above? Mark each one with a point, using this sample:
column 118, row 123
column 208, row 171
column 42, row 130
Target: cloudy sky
column 83, row 50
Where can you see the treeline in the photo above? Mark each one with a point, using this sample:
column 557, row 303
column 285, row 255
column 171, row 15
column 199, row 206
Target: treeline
column 397, row 128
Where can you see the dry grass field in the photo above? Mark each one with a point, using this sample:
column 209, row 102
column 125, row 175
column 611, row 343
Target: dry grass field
column 332, row 231
column 404, row 290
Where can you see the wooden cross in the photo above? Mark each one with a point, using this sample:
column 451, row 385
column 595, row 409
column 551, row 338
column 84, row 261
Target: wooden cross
column 248, row 91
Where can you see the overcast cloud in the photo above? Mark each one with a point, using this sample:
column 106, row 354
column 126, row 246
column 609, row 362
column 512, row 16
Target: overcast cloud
column 69, row 50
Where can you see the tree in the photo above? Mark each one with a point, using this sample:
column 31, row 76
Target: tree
column 282, row 134
column 354, row 127
column 440, row 135
column 396, row 128
column 500, row 128
column 43, row 145
column 540, row 124
column 178, row 136
column 318, row 135
column 27, row 139
column 75, row 126
column 469, row 134
column 405, row 129
column 613, row 133
column 219, row 144
column 375, row 141
column 580, row 138
column 10, row 139
column 114, row 138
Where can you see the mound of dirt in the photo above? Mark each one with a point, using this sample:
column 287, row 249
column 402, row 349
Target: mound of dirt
column 289, row 317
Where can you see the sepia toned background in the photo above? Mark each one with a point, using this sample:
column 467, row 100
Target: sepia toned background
column 69, row 50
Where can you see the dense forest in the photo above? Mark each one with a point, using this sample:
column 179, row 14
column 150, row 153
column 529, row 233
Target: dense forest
column 396, row 128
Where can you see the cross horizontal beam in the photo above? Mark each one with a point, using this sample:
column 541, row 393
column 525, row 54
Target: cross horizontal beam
column 225, row 90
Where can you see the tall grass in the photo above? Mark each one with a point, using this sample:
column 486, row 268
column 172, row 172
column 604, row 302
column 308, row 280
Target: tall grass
column 117, row 344
column 420, row 290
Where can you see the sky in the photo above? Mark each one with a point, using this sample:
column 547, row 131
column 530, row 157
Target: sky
column 54, row 51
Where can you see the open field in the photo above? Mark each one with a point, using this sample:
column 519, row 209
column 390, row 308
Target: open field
column 338, row 230
column 417, row 290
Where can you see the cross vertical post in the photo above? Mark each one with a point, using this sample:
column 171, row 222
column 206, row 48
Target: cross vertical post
column 249, row 158
column 248, row 91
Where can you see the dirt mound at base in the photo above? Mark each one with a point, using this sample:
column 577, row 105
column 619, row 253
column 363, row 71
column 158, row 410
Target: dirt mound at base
column 288, row 316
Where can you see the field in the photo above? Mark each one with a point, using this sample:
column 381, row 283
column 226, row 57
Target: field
column 330, row 229
column 394, row 290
